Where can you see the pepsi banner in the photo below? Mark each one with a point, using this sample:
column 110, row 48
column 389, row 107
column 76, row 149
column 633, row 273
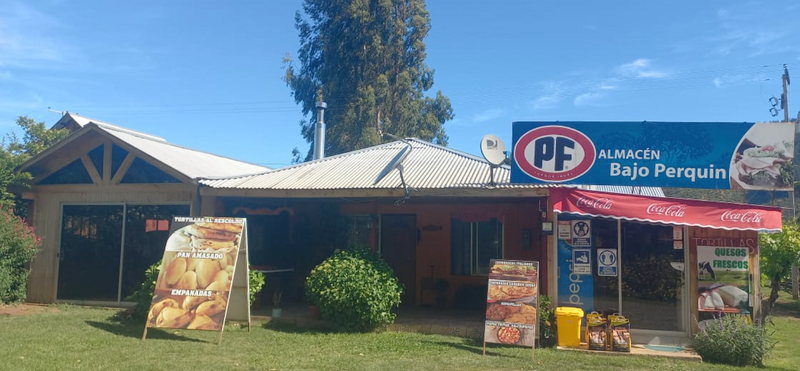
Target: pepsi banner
column 716, row 155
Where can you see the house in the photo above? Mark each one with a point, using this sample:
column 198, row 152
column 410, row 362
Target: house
column 103, row 198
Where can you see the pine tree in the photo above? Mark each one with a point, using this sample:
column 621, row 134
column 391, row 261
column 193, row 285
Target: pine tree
column 366, row 59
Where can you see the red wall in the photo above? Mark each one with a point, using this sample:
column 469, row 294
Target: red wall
column 433, row 247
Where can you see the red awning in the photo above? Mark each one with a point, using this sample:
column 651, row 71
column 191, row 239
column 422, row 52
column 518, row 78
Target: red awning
column 674, row 211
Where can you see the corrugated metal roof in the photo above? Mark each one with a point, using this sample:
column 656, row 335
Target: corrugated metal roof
column 428, row 166
column 629, row 190
column 190, row 162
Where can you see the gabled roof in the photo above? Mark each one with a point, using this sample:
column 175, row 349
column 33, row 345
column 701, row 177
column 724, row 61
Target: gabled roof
column 191, row 163
column 427, row 166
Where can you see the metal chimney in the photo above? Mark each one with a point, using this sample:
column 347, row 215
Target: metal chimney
column 319, row 131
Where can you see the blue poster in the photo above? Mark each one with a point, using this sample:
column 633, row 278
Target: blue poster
column 574, row 289
column 714, row 155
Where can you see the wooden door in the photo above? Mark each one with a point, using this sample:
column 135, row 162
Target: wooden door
column 398, row 248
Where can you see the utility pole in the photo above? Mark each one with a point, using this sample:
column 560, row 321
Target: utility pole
column 785, row 107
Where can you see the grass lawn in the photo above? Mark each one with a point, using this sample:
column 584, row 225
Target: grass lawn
column 78, row 338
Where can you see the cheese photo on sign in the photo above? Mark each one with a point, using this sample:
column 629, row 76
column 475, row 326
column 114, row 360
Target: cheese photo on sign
column 763, row 159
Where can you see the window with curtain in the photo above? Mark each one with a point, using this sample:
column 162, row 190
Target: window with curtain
column 474, row 244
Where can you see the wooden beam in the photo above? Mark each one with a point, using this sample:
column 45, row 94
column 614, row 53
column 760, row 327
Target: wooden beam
column 107, row 146
column 66, row 156
column 335, row 193
column 118, row 188
column 126, row 164
column 87, row 163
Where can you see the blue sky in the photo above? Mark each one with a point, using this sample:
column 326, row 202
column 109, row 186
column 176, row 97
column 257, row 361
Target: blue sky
column 207, row 75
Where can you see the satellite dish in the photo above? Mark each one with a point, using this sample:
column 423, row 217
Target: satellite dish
column 493, row 149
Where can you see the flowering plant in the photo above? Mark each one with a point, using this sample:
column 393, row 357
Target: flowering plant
column 18, row 246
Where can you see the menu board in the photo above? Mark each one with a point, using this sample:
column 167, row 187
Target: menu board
column 512, row 302
column 194, row 284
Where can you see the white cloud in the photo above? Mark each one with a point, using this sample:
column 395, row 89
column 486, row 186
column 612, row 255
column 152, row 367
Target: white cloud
column 589, row 99
column 553, row 95
column 488, row 115
column 640, row 68
column 752, row 29
column 733, row 79
column 26, row 39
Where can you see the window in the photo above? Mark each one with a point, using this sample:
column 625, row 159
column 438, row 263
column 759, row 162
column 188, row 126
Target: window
column 474, row 244
column 74, row 173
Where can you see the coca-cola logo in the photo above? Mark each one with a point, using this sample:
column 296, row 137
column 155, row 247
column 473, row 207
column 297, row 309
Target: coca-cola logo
column 595, row 203
column 667, row 210
column 741, row 216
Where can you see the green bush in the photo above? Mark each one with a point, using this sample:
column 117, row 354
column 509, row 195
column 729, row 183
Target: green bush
column 256, row 283
column 143, row 297
column 547, row 323
column 355, row 290
column 732, row 340
column 18, row 246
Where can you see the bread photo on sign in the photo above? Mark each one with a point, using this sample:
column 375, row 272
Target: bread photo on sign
column 206, row 237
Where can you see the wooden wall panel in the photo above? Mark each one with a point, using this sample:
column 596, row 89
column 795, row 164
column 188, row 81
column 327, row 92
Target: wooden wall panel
column 47, row 223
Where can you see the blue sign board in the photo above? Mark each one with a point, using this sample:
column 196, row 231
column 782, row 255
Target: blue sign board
column 575, row 289
column 714, row 155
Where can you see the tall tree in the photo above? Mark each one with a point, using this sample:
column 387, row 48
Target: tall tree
column 367, row 59
column 15, row 151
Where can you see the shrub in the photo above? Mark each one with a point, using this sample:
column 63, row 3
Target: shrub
column 143, row 297
column 734, row 341
column 256, row 283
column 547, row 323
column 355, row 290
column 18, row 246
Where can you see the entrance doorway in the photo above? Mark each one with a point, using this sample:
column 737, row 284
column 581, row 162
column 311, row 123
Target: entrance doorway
column 642, row 278
column 398, row 248
column 105, row 249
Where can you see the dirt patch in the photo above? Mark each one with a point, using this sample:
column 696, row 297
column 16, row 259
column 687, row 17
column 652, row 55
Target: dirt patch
column 25, row 309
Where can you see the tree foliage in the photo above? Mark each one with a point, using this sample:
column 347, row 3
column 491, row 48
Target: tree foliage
column 15, row 151
column 778, row 252
column 366, row 59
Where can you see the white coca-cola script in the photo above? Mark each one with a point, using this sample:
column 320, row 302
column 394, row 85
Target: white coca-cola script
column 595, row 203
column 741, row 216
column 667, row 210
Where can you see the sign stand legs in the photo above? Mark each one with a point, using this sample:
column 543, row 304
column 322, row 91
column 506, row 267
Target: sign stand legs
column 219, row 341
column 484, row 348
column 144, row 335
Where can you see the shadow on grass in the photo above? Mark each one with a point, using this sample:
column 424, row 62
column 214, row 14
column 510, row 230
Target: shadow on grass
column 292, row 328
column 135, row 329
column 787, row 307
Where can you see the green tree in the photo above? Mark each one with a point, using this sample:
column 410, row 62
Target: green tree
column 367, row 59
column 15, row 151
column 778, row 252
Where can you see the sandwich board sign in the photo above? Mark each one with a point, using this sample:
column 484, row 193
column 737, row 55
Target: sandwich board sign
column 512, row 303
column 203, row 278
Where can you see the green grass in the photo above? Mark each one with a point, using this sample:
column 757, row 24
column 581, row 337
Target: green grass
column 78, row 338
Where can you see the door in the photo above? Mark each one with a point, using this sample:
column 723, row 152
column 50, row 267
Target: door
column 91, row 236
column 653, row 288
column 398, row 248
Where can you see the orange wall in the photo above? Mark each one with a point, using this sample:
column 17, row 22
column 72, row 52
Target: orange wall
column 433, row 248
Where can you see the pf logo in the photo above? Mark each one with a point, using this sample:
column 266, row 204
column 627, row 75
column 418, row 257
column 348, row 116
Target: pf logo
column 554, row 153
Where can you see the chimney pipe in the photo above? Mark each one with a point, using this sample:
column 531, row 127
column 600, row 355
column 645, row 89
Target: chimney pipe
column 319, row 131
